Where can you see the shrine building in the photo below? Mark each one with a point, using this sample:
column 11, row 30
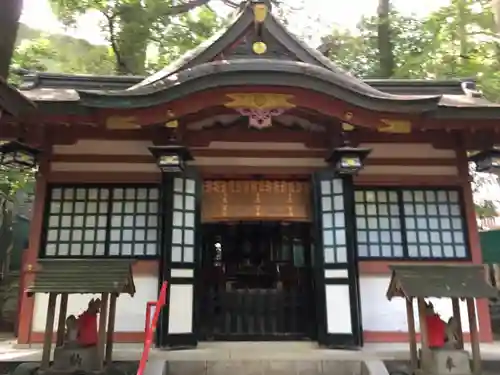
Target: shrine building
column 269, row 187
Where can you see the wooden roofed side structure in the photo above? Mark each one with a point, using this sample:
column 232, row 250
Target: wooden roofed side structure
column 442, row 281
column 62, row 277
column 452, row 281
column 83, row 276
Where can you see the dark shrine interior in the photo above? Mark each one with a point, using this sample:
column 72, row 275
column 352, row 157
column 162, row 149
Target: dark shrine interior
column 257, row 280
column 256, row 254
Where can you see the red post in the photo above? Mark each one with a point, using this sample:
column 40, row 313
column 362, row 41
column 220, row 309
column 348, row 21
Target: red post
column 149, row 306
column 152, row 328
column 22, row 276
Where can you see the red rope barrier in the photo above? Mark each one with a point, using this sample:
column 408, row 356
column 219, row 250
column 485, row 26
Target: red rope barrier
column 152, row 328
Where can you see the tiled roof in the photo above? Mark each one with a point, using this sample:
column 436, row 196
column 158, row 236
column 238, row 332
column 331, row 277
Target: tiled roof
column 452, row 281
column 83, row 276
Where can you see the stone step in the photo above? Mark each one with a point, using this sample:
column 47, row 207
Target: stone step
column 265, row 367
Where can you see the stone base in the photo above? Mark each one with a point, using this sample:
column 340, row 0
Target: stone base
column 446, row 362
column 69, row 359
column 258, row 367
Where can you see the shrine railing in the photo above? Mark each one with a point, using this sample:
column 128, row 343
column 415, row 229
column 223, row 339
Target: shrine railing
column 150, row 328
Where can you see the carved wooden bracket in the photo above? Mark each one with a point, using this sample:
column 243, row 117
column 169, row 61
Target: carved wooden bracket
column 260, row 108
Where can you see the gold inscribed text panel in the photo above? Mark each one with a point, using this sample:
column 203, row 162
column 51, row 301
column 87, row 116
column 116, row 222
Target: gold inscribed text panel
column 255, row 200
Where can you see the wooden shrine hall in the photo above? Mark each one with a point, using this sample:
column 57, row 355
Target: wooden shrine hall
column 269, row 187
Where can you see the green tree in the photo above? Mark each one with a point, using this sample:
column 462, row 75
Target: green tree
column 456, row 41
column 486, row 210
column 384, row 39
column 33, row 55
column 481, row 183
column 9, row 23
column 12, row 181
column 358, row 51
column 60, row 54
column 132, row 26
column 184, row 33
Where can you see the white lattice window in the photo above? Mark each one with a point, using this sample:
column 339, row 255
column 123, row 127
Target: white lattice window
column 404, row 223
column 102, row 221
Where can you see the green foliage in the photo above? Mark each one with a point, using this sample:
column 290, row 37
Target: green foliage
column 181, row 35
column 456, row 41
column 12, row 181
column 32, row 55
column 486, row 210
column 42, row 52
column 133, row 27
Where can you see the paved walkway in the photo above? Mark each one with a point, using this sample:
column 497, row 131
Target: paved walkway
column 11, row 352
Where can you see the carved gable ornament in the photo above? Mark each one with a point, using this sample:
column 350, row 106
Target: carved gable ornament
column 260, row 108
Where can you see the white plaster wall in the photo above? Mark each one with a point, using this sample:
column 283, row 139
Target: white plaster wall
column 380, row 314
column 130, row 311
column 180, row 319
column 338, row 309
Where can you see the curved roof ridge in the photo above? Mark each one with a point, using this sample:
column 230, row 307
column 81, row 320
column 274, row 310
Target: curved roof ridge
column 339, row 77
column 280, row 32
column 239, row 72
column 243, row 19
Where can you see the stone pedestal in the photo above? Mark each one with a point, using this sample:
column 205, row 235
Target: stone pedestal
column 69, row 359
column 446, row 362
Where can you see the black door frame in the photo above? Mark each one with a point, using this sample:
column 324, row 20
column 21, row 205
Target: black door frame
column 164, row 339
column 355, row 339
column 310, row 334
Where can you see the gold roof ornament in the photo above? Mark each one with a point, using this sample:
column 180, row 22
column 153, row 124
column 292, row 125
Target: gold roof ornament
column 172, row 124
column 260, row 12
column 259, row 48
column 347, row 127
column 259, row 101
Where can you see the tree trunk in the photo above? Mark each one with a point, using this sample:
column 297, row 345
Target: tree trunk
column 132, row 38
column 462, row 30
column 495, row 7
column 386, row 57
column 10, row 11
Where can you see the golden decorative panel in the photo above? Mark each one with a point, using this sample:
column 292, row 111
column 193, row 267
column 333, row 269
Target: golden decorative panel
column 229, row 200
column 122, row 123
column 259, row 101
column 395, row 126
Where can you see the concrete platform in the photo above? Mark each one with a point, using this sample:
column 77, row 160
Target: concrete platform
column 239, row 351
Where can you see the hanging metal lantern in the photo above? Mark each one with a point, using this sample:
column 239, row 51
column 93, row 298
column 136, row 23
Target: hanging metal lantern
column 18, row 155
column 486, row 161
column 171, row 158
column 348, row 160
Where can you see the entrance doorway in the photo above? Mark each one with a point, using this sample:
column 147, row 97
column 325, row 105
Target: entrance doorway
column 257, row 281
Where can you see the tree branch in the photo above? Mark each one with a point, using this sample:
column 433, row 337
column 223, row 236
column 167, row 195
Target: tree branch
column 112, row 40
column 232, row 4
column 186, row 7
column 494, row 37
